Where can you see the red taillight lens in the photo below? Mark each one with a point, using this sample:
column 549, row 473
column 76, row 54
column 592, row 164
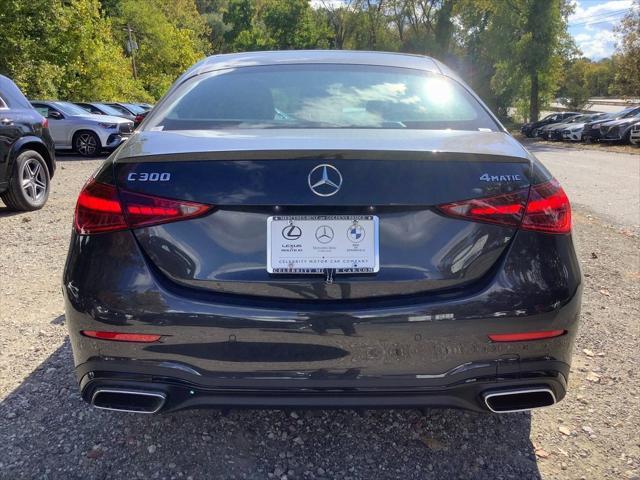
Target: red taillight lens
column 523, row 337
column 501, row 209
column 144, row 210
column 98, row 209
column 547, row 209
column 138, row 118
column 45, row 123
column 121, row 337
column 101, row 208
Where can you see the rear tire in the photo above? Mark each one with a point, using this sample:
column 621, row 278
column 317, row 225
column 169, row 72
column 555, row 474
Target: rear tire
column 29, row 184
column 86, row 143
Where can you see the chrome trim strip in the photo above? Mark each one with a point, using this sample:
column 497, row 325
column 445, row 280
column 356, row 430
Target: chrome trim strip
column 504, row 393
column 162, row 396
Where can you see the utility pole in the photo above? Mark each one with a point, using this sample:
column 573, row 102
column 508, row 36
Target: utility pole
column 132, row 47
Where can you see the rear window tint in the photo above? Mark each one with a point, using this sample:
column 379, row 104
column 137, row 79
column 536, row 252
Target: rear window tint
column 321, row 96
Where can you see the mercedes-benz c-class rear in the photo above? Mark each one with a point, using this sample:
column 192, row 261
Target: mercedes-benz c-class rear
column 320, row 229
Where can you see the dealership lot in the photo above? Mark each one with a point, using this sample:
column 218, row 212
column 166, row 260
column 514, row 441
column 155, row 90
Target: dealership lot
column 46, row 431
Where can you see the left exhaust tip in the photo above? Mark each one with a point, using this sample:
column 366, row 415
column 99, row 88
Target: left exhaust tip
column 121, row 400
column 518, row 400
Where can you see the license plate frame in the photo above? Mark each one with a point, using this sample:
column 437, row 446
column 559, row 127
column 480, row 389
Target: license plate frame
column 304, row 251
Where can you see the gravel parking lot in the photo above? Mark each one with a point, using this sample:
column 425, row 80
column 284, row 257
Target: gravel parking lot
column 46, row 431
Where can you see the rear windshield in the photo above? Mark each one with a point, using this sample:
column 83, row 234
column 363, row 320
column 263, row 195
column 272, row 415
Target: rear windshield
column 321, row 96
column 109, row 110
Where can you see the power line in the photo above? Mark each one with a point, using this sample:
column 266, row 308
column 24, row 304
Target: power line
column 604, row 17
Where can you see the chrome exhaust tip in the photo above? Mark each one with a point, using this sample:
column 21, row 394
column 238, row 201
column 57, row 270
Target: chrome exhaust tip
column 518, row 400
column 120, row 400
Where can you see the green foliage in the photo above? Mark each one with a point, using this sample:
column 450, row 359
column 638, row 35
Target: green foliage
column 515, row 53
column 575, row 86
column 275, row 25
column 168, row 40
column 95, row 66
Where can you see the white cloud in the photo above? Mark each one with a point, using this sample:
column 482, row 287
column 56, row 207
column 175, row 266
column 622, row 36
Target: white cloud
column 596, row 44
column 592, row 26
column 582, row 14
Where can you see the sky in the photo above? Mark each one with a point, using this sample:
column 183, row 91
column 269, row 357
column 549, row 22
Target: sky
column 592, row 22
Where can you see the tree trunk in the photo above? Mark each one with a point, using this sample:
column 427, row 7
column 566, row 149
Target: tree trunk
column 534, row 107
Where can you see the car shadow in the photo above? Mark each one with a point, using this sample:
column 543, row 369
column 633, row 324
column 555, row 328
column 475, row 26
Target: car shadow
column 6, row 212
column 48, row 431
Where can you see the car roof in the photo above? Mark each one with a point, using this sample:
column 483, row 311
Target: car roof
column 12, row 95
column 292, row 57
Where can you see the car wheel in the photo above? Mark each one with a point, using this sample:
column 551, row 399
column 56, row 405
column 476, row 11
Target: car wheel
column 534, row 132
column 86, row 144
column 29, row 183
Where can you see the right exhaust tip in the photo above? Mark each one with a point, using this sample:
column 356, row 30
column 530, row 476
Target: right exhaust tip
column 518, row 400
column 121, row 400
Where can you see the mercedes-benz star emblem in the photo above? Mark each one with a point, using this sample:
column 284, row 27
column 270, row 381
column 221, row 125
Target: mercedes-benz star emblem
column 325, row 180
column 291, row 232
column 324, row 234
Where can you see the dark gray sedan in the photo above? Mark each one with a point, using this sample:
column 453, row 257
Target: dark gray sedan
column 318, row 229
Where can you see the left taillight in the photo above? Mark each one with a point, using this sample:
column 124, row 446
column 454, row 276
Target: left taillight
column 102, row 208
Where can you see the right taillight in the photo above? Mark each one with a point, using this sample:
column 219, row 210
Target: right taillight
column 543, row 207
column 548, row 209
column 102, row 208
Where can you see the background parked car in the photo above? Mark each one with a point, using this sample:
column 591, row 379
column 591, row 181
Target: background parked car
column 27, row 158
column 531, row 129
column 128, row 108
column 139, row 118
column 85, row 133
column 618, row 130
column 573, row 131
column 553, row 131
column 103, row 109
column 591, row 132
column 634, row 138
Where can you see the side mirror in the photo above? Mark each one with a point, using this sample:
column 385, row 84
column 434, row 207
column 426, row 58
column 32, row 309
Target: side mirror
column 55, row 115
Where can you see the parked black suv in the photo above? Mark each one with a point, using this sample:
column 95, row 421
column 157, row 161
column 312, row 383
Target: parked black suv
column 531, row 129
column 27, row 158
column 592, row 131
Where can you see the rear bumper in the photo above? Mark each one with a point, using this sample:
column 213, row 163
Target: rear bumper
column 401, row 393
column 221, row 350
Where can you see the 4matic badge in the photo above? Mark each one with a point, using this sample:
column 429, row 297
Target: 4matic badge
column 485, row 177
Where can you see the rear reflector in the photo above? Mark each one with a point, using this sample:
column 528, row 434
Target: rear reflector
column 121, row 337
column 102, row 208
column 523, row 337
column 543, row 207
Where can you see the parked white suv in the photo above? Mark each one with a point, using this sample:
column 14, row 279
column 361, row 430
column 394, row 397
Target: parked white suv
column 73, row 128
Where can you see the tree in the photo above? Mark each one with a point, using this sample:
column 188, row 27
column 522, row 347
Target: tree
column 276, row 24
column 627, row 77
column 168, row 43
column 575, row 85
column 213, row 12
column 63, row 50
column 95, row 67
